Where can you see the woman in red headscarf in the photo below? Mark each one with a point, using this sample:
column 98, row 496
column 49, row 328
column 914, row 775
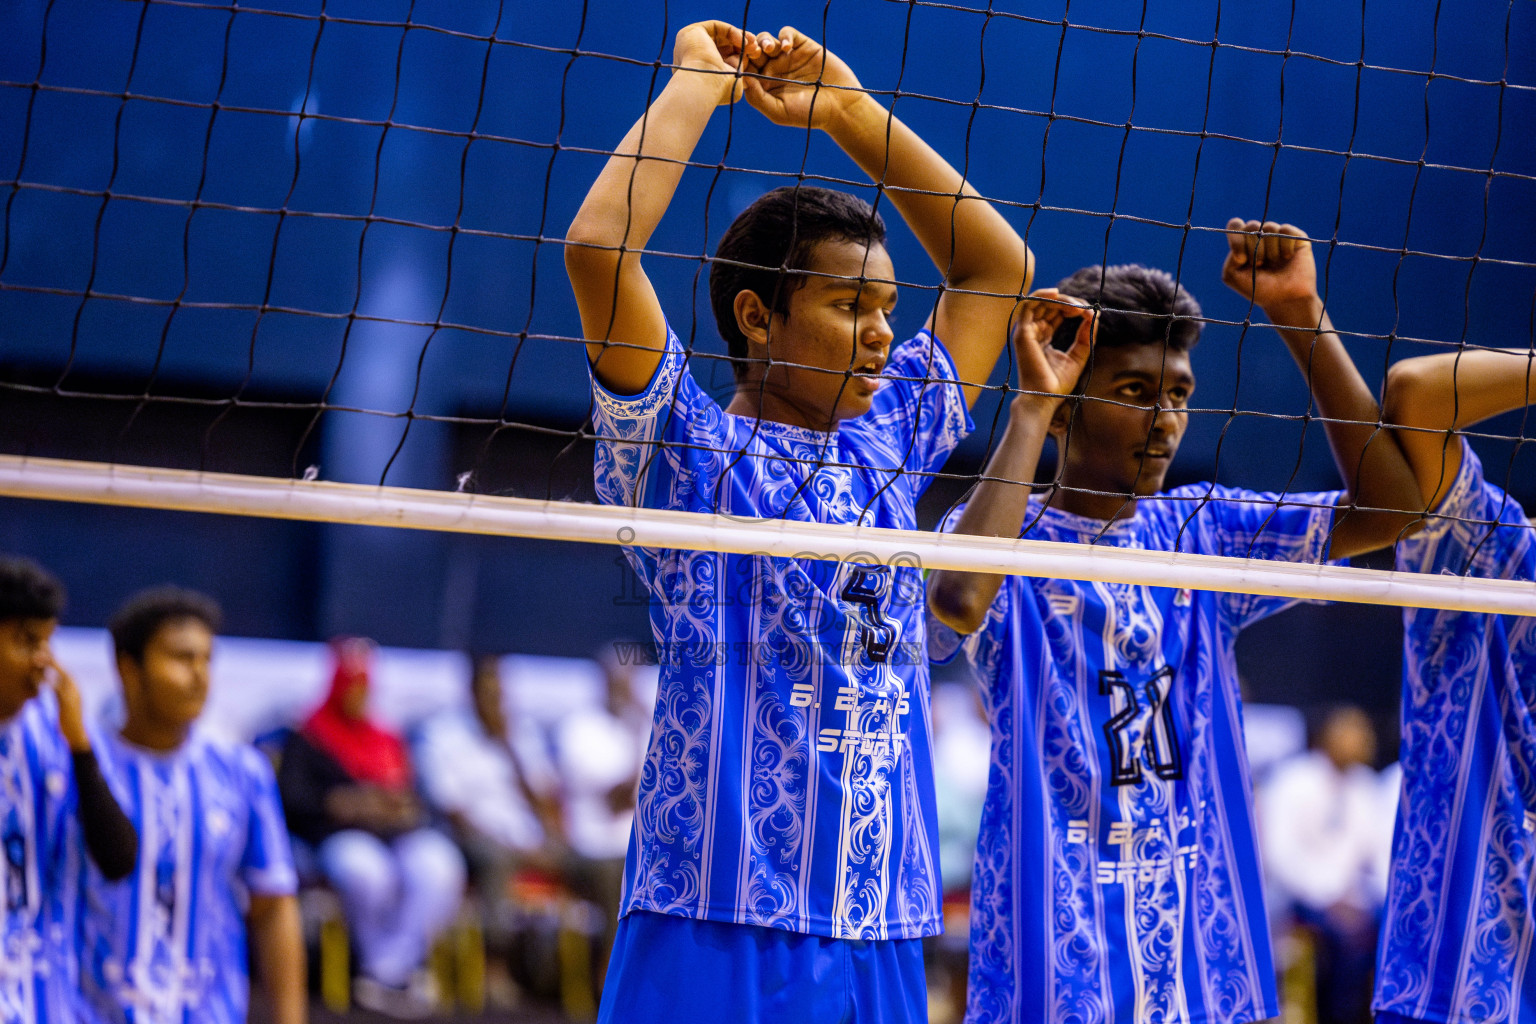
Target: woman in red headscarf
column 349, row 792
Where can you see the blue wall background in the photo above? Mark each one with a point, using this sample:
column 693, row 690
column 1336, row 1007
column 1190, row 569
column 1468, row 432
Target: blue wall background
column 425, row 172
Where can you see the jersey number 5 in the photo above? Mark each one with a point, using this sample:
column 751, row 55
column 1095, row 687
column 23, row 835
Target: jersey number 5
column 1161, row 747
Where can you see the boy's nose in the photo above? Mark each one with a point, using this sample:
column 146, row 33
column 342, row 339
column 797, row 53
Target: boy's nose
column 1167, row 422
column 879, row 329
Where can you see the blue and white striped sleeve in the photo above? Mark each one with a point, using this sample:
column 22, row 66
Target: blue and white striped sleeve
column 267, row 866
column 653, row 447
column 923, row 403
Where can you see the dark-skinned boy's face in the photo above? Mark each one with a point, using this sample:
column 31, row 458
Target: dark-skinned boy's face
column 1129, row 426
column 170, row 686
column 24, row 660
column 837, row 333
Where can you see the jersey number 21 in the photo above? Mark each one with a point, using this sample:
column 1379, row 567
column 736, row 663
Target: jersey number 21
column 1161, row 746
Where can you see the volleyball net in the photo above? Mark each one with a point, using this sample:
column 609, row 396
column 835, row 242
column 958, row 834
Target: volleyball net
column 302, row 259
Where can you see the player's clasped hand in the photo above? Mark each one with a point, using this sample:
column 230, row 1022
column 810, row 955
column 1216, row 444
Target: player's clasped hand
column 790, row 78
column 719, row 49
column 729, row 53
column 801, row 83
column 1048, row 374
column 1271, row 264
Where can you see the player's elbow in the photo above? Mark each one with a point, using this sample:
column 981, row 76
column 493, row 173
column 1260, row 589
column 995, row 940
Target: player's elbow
column 272, row 911
column 599, row 232
column 954, row 600
column 1364, row 532
column 592, row 265
column 1024, row 262
column 1004, row 268
column 120, row 864
column 589, row 251
column 1409, row 399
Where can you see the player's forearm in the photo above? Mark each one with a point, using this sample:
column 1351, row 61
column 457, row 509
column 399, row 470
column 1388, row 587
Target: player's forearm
column 278, row 938
column 1453, row 390
column 634, row 189
column 995, row 509
column 1341, row 396
column 110, row 838
column 1338, row 390
column 1437, row 394
column 967, row 239
column 1001, row 500
column 1374, row 471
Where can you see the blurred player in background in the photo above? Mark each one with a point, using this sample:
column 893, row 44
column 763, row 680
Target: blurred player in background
column 1117, row 874
column 48, row 772
column 215, row 875
column 784, row 859
column 1456, row 940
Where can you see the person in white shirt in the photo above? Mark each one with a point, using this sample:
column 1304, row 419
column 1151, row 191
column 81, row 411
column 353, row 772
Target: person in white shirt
column 470, row 772
column 962, row 746
column 598, row 749
column 473, row 771
column 1324, row 832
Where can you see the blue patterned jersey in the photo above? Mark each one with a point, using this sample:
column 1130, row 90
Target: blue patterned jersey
column 167, row 944
column 1117, row 877
column 1456, row 941
column 787, row 782
column 37, row 806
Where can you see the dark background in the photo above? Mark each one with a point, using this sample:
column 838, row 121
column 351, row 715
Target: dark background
column 193, row 274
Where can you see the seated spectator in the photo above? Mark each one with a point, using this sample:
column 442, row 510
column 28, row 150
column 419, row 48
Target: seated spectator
column 348, row 788
column 599, row 748
column 598, row 753
column 1325, row 830
column 214, row 880
column 472, row 774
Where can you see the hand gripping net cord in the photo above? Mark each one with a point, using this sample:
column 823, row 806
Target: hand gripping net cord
column 154, row 22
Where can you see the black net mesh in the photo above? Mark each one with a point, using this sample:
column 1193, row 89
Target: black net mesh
column 326, row 237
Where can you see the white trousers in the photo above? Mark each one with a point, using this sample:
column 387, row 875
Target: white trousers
column 397, row 895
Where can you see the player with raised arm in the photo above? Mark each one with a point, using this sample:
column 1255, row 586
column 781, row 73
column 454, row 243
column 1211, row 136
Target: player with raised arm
column 1456, row 939
column 215, row 880
column 1116, row 875
column 783, row 859
column 48, row 776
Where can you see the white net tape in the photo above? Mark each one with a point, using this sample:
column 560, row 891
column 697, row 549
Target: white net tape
column 321, row 501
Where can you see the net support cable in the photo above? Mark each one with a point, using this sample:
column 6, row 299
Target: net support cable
column 365, row 505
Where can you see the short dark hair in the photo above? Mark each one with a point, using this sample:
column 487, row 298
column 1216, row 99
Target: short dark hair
column 28, row 591
column 773, row 238
column 138, row 620
column 1138, row 305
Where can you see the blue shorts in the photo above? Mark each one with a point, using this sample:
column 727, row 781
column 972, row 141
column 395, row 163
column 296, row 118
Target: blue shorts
column 1388, row 1017
column 670, row 969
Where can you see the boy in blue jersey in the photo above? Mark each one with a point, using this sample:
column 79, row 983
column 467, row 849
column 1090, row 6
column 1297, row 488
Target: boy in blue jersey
column 48, row 776
column 1116, row 877
column 1456, row 939
column 168, row 945
column 783, row 859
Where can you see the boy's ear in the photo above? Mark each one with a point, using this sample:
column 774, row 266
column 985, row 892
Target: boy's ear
column 752, row 316
column 128, row 672
column 1061, row 419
